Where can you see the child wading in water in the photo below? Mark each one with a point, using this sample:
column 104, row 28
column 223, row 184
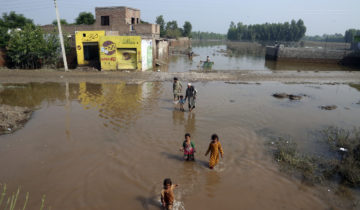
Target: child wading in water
column 182, row 102
column 167, row 194
column 214, row 149
column 188, row 148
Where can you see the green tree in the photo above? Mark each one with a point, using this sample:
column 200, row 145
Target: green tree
column 62, row 22
column 268, row 31
column 86, row 18
column 232, row 33
column 349, row 35
column 187, row 29
column 160, row 21
column 11, row 21
column 172, row 30
column 30, row 48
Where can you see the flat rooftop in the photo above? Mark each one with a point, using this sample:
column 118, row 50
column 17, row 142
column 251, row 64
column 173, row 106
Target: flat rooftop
column 117, row 7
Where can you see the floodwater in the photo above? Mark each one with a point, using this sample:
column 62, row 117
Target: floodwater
column 109, row 146
column 246, row 58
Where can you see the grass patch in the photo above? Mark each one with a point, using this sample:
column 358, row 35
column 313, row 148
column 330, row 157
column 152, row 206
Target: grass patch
column 341, row 165
column 9, row 202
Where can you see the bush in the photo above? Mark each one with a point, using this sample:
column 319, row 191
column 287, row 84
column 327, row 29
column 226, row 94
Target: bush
column 343, row 164
column 30, row 48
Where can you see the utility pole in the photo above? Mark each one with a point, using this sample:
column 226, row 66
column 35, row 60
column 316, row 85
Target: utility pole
column 61, row 37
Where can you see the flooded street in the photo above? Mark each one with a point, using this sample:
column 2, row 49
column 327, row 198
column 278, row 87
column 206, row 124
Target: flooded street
column 249, row 57
column 109, row 146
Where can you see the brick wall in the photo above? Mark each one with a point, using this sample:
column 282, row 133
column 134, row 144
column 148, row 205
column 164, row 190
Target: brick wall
column 180, row 42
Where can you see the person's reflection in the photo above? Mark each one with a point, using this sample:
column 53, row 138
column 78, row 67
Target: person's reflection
column 212, row 180
column 178, row 117
column 190, row 123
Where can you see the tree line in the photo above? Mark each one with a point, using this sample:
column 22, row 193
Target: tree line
column 337, row 37
column 198, row 35
column 171, row 29
column 84, row 18
column 292, row 31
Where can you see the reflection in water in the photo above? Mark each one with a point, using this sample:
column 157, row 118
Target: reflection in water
column 190, row 126
column 118, row 104
column 178, row 117
column 356, row 86
column 31, row 95
column 125, row 166
column 303, row 66
column 212, row 180
column 238, row 56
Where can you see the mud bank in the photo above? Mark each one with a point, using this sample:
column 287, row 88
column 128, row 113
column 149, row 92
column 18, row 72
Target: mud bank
column 25, row 76
column 13, row 118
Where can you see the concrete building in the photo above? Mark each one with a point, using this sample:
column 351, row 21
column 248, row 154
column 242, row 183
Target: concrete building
column 110, row 25
column 117, row 20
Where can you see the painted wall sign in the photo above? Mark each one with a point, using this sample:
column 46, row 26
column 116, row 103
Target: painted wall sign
column 120, row 52
column 108, row 48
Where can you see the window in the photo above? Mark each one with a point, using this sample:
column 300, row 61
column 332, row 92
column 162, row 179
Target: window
column 132, row 20
column 137, row 20
column 105, row 20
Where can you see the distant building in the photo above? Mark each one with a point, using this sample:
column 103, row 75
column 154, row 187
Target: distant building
column 115, row 21
column 118, row 40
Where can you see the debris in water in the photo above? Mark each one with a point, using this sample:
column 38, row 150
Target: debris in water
column 295, row 97
column 343, row 149
column 280, row 95
column 328, row 107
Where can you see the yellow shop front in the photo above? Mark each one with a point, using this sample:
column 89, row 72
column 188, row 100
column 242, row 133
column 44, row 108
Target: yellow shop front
column 87, row 47
column 120, row 53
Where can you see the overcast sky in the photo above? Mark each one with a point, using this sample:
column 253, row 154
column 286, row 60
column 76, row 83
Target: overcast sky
column 320, row 16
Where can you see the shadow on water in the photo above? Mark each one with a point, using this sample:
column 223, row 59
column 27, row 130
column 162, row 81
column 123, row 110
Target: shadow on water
column 173, row 156
column 181, row 159
column 147, row 202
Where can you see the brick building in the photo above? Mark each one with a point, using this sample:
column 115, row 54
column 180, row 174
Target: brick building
column 115, row 21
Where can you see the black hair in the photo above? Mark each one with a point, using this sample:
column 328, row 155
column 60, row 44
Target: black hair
column 181, row 96
column 187, row 134
column 167, row 181
column 214, row 136
column 175, row 78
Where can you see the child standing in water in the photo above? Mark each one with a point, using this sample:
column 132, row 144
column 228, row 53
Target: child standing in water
column 182, row 102
column 188, row 148
column 214, row 149
column 167, row 194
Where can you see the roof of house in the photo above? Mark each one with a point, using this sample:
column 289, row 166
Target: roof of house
column 117, row 7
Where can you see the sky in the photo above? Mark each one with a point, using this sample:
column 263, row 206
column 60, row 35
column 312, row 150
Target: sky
column 320, row 16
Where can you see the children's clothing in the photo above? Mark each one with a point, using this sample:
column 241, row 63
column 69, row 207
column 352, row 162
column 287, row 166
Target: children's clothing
column 189, row 150
column 215, row 149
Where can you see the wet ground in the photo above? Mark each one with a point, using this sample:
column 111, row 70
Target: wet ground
column 109, row 146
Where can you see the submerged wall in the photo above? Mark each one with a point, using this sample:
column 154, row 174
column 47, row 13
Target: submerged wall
column 280, row 53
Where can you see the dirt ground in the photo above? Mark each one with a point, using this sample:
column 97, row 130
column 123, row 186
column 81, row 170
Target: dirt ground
column 13, row 118
column 74, row 76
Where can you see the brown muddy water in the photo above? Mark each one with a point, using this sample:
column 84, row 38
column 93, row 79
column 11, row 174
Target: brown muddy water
column 109, row 146
column 247, row 57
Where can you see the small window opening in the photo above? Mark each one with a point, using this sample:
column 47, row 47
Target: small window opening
column 105, row 20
